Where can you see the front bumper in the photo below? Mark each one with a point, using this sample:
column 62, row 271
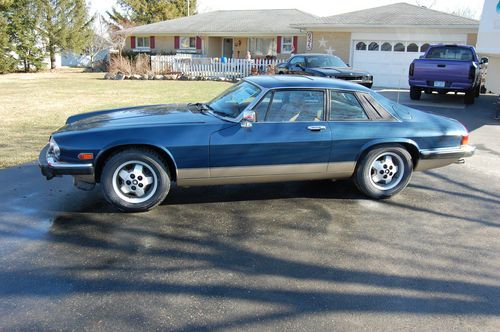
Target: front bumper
column 448, row 153
column 51, row 167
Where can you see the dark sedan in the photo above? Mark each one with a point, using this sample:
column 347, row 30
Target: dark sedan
column 263, row 129
column 324, row 65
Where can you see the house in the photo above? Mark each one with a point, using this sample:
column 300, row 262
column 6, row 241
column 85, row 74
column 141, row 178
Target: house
column 229, row 33
column 382, row 40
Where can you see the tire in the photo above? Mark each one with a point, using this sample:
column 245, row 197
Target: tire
column 369, row 86
column 415, row 93
column 470, row 97
column 442, row 92
column 478, row 91
column 371, row 182
column 143, row 176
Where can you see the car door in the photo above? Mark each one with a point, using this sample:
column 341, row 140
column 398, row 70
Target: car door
column 290, row 139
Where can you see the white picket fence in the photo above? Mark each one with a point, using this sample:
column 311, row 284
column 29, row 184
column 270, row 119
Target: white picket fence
column 210, row 67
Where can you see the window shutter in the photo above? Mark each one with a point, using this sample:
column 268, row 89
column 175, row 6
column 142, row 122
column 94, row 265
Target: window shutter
column 295, row 42
column 198, row 43
column 176, row 42
column 278, row 45
column 152, row 42
column 132, row 42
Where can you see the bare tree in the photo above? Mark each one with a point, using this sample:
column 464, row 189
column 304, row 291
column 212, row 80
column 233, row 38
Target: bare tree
column 426, row 3
column 465, row 12
column 99, row 41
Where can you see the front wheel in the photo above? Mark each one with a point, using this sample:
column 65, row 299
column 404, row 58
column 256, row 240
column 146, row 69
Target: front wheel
column 135, row 180
column 384, row 172
column 415, row 93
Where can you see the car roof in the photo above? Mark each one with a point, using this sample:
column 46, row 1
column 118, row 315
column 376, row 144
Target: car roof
column 314, row 54
column 303, row 81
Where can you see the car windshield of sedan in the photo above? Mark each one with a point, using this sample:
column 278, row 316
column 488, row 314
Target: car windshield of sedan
column 234, row 100
column 322, row 61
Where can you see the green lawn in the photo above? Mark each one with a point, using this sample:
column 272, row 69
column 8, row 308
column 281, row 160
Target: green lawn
column 34, row 105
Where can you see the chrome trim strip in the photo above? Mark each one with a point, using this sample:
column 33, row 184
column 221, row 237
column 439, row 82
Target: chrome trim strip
column 264, row 173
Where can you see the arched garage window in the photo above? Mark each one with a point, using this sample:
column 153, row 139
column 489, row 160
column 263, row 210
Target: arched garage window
column 386, row 47
column 412, row 48
column 361, row 46
column 373, row 46
column 424, row 47
column 399, row 47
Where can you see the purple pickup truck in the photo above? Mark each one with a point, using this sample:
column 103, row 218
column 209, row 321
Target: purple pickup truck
column 447, row 68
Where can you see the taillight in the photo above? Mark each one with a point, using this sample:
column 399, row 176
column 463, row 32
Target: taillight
column 412, row 69
column 472, row 72
column 465, row 140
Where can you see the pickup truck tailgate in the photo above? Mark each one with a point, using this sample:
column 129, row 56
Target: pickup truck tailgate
column 442, row 70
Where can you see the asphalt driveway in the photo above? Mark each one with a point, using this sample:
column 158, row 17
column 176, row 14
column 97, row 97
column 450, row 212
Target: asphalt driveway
column 296, row 256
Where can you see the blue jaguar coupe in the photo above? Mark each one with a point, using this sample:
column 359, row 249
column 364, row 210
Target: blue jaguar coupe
column 263, row 129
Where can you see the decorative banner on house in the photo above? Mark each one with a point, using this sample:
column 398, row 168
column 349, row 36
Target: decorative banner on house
column 309, row 41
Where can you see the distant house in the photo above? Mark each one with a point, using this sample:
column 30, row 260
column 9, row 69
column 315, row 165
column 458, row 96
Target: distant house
column 383, row 40
column 229, row 33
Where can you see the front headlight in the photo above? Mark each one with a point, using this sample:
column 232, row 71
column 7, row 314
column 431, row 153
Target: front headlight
column 54, row 149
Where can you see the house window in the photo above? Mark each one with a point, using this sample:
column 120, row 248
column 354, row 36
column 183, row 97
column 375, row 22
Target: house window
column 187, row 43
column 142, row 42
column 412, row 47
column 399, row 47
column 424, row 47
column 286, row 44
column 262, row 46
column 373, row 46
column 361, row 46
column 386, row 47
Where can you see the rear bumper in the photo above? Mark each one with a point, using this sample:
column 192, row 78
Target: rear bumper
column 448, row 153
column 449, row 86
column 51, row 167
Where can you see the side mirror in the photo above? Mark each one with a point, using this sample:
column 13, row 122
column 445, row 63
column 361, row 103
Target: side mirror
column 484, row 60
column 248, row 118
column 421, row 57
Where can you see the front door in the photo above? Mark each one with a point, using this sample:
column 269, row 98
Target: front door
column 227, row 47
column 290, row 139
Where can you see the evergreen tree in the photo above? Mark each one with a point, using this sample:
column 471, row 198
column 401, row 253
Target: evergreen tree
column 150, row 11
column 64, row 25
column 7, row 61
column 23, row 18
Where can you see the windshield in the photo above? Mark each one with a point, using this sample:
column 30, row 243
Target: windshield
column 234, row 100
column 450, row 53
column 321, row 61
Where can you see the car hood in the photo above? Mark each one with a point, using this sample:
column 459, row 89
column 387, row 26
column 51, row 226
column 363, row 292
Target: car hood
column 340, row 71
column 137, row 116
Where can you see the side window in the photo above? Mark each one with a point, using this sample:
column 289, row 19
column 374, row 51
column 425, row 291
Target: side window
column 298, row 60
column 345, row 107
column 295, row 106
column 262, row 107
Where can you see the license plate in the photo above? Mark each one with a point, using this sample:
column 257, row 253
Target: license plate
column 439, row 84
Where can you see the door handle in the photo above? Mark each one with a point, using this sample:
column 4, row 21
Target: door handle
column 316, row 128
column 441, row 66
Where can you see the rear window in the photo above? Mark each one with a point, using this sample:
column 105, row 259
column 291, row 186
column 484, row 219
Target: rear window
column 450, row 53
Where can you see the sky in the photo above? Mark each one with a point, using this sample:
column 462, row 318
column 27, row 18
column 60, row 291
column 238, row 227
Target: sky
column 316, row 7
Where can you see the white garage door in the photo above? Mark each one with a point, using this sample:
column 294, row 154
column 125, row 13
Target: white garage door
column 387, row 61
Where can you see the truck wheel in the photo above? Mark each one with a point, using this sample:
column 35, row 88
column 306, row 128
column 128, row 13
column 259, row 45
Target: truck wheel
column 470, row 96
column 415, row 93
column 478, row 91
column 135, row 180
column 384, row 171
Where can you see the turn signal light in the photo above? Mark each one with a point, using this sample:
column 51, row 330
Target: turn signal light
column 85, row 156
column 465, row 140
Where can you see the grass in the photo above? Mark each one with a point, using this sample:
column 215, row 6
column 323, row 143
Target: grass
column 34, row 105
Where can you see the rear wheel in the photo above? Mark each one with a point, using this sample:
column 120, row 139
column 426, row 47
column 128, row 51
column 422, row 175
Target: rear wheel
column 135, row 180
column 415, row 93
column 478, row 91
column 384, row 171
column 470, row 96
